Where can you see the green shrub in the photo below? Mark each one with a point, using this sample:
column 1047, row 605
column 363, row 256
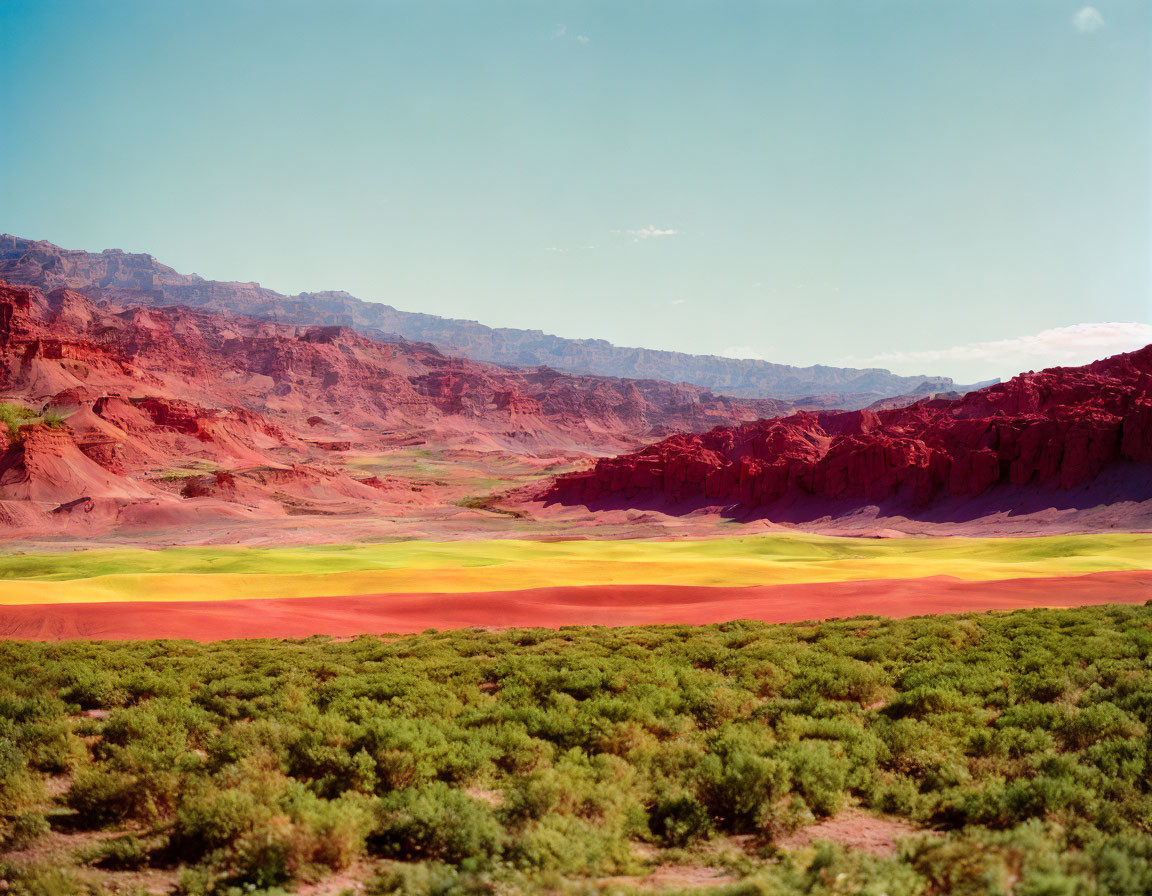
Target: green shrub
column 436, row 822
column 213, row 819
column 564, row 844
column 1123, row 865
column 739, row 784
column 321, row 756
column 14, row 416
column 678, row 819
column 819, row 773
column 101, row 795
column 119, row 854
column 24, row 830
column 92, row 689
column 535, row 795
column 429, row 879
column 41, row 879
column 263, row 856
column 332, row 833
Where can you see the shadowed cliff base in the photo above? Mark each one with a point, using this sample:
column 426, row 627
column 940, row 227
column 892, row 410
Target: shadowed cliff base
column 1119, row 498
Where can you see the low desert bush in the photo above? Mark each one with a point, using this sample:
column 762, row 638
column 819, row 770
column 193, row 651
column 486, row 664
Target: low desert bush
column 475, row 761
column 436, row 822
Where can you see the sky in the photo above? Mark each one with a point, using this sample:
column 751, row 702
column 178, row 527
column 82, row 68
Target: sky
column 953, row 187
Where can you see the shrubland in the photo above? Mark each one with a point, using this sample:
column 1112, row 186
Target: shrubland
column 1017, row 744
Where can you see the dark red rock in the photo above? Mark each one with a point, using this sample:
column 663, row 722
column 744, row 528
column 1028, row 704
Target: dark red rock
column 1057, row 428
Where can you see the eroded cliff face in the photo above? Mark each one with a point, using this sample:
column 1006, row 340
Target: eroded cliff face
column 128, row 407
column 1057, row 428
column 354, row 386
column 140, row 279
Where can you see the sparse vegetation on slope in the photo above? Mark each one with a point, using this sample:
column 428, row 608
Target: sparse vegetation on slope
column 14, row 416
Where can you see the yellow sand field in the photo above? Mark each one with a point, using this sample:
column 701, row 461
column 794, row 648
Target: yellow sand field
column 182, row 574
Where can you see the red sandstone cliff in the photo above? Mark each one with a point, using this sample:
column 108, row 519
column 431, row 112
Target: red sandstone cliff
column 128, row 407
column 1057, row 428
column 350, row 387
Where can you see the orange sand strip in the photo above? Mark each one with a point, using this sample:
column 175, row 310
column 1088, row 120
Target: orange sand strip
column 300, row 617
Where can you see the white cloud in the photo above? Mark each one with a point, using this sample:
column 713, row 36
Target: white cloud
column 1088, row 20
column 679, row 301
column 1059, row 347
column 649, row 232
column 560, row 31
column 583, row 39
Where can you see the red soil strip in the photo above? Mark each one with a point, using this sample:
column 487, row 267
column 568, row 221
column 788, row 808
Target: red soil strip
column 300, row 617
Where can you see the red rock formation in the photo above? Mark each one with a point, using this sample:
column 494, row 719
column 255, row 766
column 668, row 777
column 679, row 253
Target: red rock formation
column 45, row 465
column 1056, row 428
column 170, row 361
column 151, row 396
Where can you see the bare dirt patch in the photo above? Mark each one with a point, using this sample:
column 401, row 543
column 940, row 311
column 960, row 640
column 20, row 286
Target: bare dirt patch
column 493, row 798
column 61, row 849
column 352, row 879
column 855, row 829
column 673, row 877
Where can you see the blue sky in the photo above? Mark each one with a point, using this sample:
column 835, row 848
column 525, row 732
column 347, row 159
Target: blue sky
column 921, row 185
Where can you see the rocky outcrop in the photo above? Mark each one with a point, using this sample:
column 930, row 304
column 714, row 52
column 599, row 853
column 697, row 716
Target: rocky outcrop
column 1057, row 428
column 141, row 280
column 45, row 465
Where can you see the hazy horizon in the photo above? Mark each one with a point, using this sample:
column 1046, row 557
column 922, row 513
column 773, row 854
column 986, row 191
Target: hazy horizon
column 948, row 189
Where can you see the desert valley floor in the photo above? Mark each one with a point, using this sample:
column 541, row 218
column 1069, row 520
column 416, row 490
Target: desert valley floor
column 608, row 448
column 293, row 602
column 207, row 593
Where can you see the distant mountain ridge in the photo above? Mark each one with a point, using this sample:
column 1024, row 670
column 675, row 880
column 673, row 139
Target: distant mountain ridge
column 142, row 279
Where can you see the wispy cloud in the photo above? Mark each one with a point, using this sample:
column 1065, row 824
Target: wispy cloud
column 1088, row 20
column 678, row 301
column 1061, row 346
column 649, row 232
column 561, row 33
